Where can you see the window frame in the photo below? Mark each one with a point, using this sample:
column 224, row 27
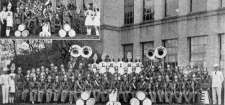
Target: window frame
column 128, row 20
column 129, row 44
column 150, row 15
column 190, row 47
column 164, row 45
column 166, row 10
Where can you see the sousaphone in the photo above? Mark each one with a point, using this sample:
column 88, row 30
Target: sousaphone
column 86, row 52
column 75, row 51
column 160, row 52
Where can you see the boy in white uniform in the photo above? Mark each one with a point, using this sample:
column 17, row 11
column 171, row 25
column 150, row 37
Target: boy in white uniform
column 5, row 86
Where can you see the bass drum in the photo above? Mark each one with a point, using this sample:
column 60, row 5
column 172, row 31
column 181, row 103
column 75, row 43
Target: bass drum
column 85, row 95
column 79, row 102
column 134, row 101
column 140, row 95
column 91, row 101
column 147, row 101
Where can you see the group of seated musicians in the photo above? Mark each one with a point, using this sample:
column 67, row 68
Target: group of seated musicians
column 60, row 84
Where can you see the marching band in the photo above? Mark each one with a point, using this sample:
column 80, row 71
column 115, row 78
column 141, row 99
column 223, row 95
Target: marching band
column 61, row 84
column 39, row 14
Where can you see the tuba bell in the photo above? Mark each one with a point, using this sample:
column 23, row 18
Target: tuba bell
column 160, row 52
column 75, row 51
column 151, row 54
column 86, row 52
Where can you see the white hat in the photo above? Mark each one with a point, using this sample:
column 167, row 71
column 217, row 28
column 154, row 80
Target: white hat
column 215, row 65
column 5, row 69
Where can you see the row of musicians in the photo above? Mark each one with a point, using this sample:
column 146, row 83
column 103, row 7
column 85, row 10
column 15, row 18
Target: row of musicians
column 69, row 89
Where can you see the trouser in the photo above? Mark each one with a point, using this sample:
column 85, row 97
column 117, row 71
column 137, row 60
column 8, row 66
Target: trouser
column 56, row 95
column 25, row 94
column 104, row 96
column 216, row 94
column 40, row 95
column 49, row 96
column 96, row 94
column 5, row 94
column 33, row 95
column 72, row 96
column 64, row 96
column 125, row 96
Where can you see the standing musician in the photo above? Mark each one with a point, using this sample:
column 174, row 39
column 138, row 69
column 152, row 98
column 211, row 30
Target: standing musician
column 33, row 90
column 65, row 89
column 178, row 93
column 26, row 84
column 168, row 90
column 96, row 85
column 49, row 89
column 124, row 87
column 152, row 90
column 160, row 90
column 19, row 84
column 56, row 89
column 72, row 90
column 41, row 89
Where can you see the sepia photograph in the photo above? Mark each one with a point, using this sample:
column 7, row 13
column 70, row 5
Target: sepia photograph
column 112, row 52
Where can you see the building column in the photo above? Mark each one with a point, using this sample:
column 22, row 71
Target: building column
column 138, row 11
column 137, row 45
column 159, row 8
column 184, row 7
column 213, row 5
column 183, row 44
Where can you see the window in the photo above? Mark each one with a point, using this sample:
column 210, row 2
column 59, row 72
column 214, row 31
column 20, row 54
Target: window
column 145, row 47
column 171, row 7
column 198, row 49
column 128, row 48
column 198, row 5
column 128, row 12
column 148, row 10
column 222, row 50
column 171, row 47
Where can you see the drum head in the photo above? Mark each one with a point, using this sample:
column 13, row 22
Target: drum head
column 85, row 95
column 109, row 103
column 72, row 33
column 140, row 95
column 17, row 34
column 21, row 27
column 147, row 101
column 91, row 101
column 79, row 102
column 62, row 33
column 67, row 27
column 134, row 101
column 25, row 33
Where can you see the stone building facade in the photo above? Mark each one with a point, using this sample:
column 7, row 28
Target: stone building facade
column 191, row 30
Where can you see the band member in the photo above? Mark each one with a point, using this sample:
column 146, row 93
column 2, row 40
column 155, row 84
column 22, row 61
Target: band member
column 9, row 19
column 178, row 91
column 65, row 89
column 41, row 89
column 152, row 90
column 49, row 89
column 12, row 87
column 72, row 90
column 160, row 89
column 19, row 84
column 102, row 67
column 3, row 17
column 96, row 20
column 33, row 90
column 96, row 86
column 5, row 86
column 124, row 86
column 168, row 90
column 56, row 89
column 89, row 19
column 217, row 80
column 26, row 89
